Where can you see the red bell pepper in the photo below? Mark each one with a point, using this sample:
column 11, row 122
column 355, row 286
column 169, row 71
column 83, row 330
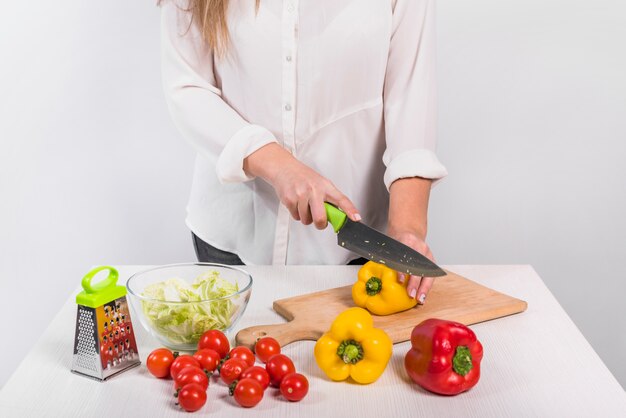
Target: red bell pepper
column 445, row 357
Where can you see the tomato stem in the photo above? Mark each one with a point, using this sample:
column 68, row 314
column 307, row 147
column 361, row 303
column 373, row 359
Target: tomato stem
column 222, row 361
column 350, row 351
column 231, row 387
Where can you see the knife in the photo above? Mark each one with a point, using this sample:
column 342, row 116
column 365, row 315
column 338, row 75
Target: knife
column 376, row 246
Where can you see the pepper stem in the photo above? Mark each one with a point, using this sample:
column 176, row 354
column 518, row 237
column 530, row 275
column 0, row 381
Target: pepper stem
column 350, row 351
column 462, row 360
column 373, row 286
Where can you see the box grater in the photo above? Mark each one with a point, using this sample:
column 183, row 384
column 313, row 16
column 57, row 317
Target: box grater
column 104, row 343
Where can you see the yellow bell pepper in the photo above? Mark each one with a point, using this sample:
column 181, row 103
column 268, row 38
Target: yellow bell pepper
column 353, row 348
column 379, row 291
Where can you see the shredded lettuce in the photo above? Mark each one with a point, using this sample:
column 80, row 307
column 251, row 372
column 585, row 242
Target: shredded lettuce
column 185, row 323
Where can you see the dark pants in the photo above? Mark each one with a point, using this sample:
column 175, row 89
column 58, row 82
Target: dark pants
column 207, row 253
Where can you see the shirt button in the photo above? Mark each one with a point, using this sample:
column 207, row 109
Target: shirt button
column 288, row 58
column 288, row 107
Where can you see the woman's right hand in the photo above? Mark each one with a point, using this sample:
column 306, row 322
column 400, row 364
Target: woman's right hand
column 300, row 188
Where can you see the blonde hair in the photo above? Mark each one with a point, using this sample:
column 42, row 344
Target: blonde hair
column 210, row 17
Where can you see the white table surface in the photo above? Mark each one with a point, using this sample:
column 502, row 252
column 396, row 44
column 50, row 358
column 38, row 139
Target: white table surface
column 536, row 363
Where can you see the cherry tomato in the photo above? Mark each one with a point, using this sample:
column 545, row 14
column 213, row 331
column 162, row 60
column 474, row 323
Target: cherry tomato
column 278, row 366
column 247, row 392
column 181, row 362
column 257, row 373
column 208, row 359
column 192, row 397
column 159, row 362
column 232, row 369
column 243, row 353
column 191, row 374
column 266, row 347
column 215, row 340
column 294, row 387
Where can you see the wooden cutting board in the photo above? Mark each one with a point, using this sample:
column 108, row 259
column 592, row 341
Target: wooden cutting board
column 452, row 297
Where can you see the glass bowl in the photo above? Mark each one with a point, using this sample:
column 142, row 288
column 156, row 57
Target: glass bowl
column 179, row 324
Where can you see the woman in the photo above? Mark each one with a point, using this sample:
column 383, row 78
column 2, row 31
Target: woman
column 293, row 103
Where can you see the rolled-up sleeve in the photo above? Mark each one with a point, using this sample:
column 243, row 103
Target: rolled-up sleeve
column 410, row 94
column 195, row 102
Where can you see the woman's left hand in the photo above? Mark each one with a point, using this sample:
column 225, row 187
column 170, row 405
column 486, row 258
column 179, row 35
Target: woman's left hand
column 417, row 287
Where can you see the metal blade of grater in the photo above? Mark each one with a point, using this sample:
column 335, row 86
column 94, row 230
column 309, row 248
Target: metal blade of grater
column 86, row 359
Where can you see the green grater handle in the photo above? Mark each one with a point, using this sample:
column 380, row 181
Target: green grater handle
column 110, row 281
column 104, row 291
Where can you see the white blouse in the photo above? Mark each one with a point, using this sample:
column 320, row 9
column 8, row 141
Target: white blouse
column 348, row 87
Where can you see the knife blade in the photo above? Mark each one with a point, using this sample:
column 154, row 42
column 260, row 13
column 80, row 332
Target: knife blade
column 376, row 246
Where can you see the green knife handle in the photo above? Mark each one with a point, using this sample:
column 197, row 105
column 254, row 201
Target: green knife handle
column 336, row 216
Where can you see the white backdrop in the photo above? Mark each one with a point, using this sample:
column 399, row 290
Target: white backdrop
column 532, row 119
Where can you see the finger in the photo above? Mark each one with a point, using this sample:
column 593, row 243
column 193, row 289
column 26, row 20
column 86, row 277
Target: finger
column 342, row 202
column 318, row 212
column 413, row 284
column 425, row 284
column 430, row 256
column 401, row 277
column 304, row 212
